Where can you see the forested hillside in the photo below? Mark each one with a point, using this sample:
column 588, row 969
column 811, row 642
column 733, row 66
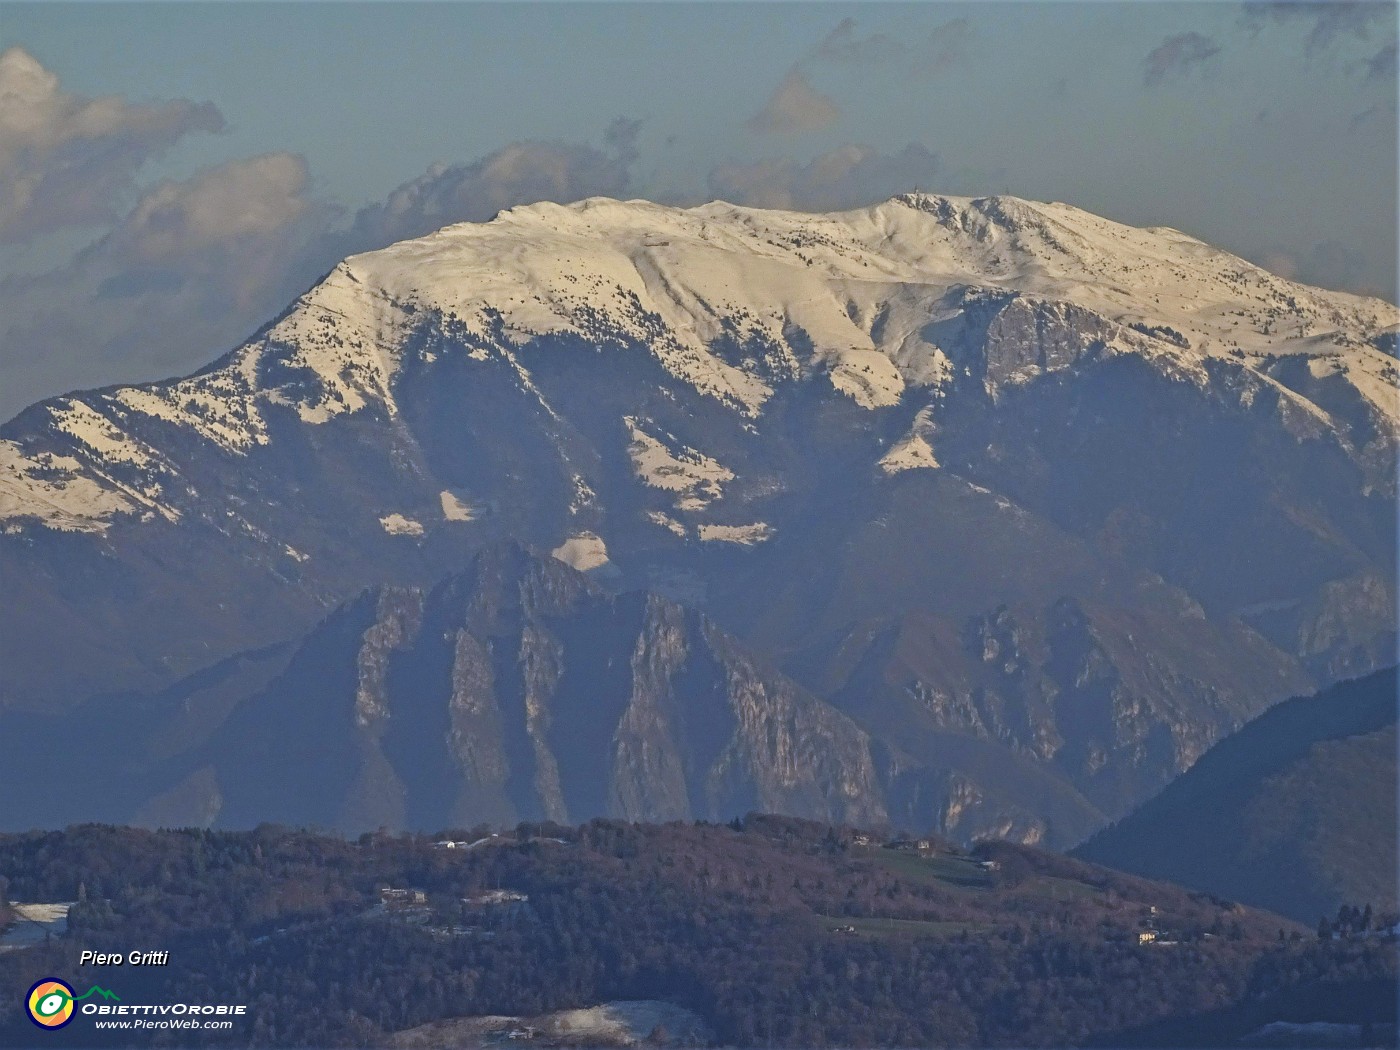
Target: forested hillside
column 1296, row 812
column 773, row 930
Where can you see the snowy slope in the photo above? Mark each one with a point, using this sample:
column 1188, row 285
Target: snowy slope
column 733, row 302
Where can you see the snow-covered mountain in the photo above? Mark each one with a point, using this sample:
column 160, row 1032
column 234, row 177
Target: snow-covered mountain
column 846, row 436
column 733, row 302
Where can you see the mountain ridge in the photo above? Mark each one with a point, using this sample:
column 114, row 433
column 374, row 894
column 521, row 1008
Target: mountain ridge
column 354, row 366
column 1106, row 492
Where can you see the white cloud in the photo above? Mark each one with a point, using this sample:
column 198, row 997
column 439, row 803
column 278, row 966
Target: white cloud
column 66, row 160
column 520, row 173
column 846, row 177
column 190, row 270
column 794, row 107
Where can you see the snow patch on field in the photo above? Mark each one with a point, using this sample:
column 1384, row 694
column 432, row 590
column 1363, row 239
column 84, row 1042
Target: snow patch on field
column 867, row 376
column 398, row 525
column 453, row 507
column 667, row 522
column 99, row 434
column 219, row 406
column 629, row 1021
column 743, row 535
column 583, row 552
column 34, row 924
column 694, row 477
column 56, row 491
column 914, row 451
column 621, row 1023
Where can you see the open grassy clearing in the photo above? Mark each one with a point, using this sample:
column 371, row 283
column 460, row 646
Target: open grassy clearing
column 949, row 870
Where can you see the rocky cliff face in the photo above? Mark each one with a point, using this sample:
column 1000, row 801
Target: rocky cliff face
column 1115, row 704
column 516, row 690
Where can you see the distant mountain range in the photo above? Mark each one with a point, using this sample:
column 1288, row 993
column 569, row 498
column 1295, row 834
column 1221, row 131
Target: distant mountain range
column 1295, row 813
column 1008, row 492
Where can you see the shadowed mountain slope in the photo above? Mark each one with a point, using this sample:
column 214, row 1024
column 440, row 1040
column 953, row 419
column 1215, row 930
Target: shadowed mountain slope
column 1296, row 812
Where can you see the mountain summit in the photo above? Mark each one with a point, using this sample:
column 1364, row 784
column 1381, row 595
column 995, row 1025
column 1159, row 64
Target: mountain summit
column 734, row 302
column 976, row 470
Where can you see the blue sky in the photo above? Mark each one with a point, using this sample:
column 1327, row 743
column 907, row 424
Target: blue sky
column 171, row 174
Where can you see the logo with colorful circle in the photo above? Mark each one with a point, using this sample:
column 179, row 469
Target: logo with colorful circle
column 50, row 1001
